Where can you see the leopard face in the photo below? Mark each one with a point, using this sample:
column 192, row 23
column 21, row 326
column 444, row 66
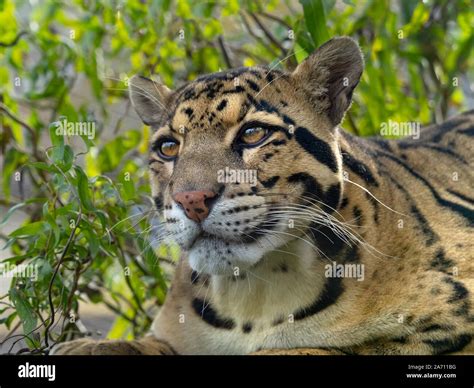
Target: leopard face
column 238, row 156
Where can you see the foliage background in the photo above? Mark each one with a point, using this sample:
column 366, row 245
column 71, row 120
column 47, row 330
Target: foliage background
column 87, row 201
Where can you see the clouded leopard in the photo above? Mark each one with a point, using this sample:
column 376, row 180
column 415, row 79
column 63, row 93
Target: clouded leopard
column 340, row 245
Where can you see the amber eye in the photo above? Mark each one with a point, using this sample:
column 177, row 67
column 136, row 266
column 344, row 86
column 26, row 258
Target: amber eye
column 253, row 136
column 168, row 148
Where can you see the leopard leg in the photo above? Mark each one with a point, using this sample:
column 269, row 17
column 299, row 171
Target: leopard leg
column 297, row 352
column 148, row 345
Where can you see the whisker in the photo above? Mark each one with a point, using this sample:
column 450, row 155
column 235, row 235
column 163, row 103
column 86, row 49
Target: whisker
column 374, row 197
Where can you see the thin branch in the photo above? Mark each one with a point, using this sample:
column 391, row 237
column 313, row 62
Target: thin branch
column 255, row 36
column 267, row 33
column 225, row 54
column 118, row 312
column 34, row 135
column 275, row 19
column 56, row 270
column 118, row 124
column 135, row 296
column 243, row 51
column 11, row 332
column 15, row 40
column 352, row 123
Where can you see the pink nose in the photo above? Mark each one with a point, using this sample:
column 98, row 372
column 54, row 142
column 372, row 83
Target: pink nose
column 195, row 203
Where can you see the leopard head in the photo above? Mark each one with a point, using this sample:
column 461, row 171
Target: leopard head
column 238, row 157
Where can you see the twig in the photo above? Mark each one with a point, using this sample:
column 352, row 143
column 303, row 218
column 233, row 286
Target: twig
column 10, row 333
column 267, row 33
column 34, row 135
column 255, row 36
column 15, row 40
column 56, row 270
column 248, row 53
column 118, row 312
column 275, row 19
column 129, row 283
column 118, row 124
column 353, row 124
column 225, row 54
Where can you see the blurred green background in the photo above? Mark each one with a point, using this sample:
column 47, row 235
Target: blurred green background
column 84, row 203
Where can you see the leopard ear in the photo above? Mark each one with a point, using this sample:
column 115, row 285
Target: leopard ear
column 149, row 98
column 329, row 76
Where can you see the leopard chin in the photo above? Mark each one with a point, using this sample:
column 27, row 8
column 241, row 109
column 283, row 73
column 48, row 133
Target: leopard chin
column 212, row 255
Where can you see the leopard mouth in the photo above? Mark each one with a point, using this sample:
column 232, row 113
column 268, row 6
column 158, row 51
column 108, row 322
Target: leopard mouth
column 257, row 231
column 216, row 254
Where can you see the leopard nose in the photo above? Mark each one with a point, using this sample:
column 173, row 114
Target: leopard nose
column 196, row 204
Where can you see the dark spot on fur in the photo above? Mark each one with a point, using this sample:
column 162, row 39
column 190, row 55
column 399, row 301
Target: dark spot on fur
column 435, row 291
column 449, row 345
column 463, row 310
column 210, row 316
column 460, row 291
column 344, row 203
column 194, row 277
column 333, row 288
column 189, row 112
column 278, row 142
column 359, row 168
column 222, row 105
column 158, row 203
column 269, row 183
column 253, row 85
column 400, row 340
column 247, row 327
column 278, row 321
column 288, row 121
column 436, row 327
column 267, row 156
column 440, row 262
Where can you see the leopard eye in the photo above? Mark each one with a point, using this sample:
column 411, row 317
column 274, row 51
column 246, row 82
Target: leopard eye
column 254, row 136
column 168, row 149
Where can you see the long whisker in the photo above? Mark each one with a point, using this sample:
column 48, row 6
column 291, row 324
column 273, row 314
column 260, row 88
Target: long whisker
column 373, row 196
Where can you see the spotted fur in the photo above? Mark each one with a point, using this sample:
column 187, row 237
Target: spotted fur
column 250, row 282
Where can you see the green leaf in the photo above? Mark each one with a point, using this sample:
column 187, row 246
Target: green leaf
column 83, row 189
column 152, row 260
column 300, row 53
column 315, row 20
column 121, row 329
column 113, row 152
column 19, row 206
column 57, row 141
column 68, row 158
column 42, row 166
column 32, row 229
column 11, row 211
column 25, row 311
column 8, row 320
